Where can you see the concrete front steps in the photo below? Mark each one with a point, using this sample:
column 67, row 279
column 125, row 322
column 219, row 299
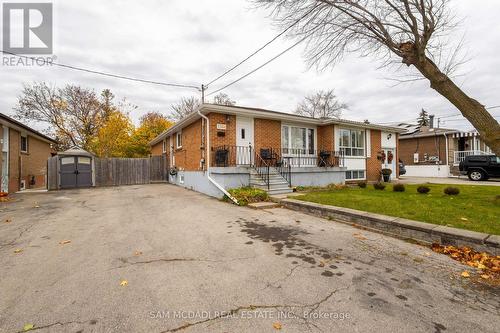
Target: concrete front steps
column 277, row 184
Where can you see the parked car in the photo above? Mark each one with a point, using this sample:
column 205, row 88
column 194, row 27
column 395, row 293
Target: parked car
column 402, row 169
column 480, row 167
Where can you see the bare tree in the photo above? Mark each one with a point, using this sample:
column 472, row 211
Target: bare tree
column 183, row 108
column 74, row 114
column 223, row 99
column 416, row 32
column 322, row 104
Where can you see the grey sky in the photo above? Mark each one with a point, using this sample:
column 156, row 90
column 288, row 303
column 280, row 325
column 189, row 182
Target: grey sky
column 193, row 41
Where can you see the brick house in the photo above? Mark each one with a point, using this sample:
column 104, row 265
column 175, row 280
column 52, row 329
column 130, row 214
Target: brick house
column 23, row 162
column 221, row 147
column 436, row 152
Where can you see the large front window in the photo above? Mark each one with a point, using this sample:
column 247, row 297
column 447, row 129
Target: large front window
column 352, row 142
column 297, row 140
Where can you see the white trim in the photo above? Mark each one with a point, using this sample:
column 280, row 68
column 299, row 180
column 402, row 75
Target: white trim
column 24, row 135
column 164, row 146
column 368, row 140
column 315, row 137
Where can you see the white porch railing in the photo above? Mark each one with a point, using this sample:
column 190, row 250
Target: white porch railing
column 459, row 156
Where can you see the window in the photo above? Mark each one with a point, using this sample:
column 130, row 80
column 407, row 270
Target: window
column 355, row 174
column 352, row 142
column 164, row 145
column 24, row 144
column 178, row 139
column 84, row 160
column 297, row 140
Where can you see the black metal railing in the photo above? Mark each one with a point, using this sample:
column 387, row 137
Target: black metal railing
column 281, row 158
column 262, row 168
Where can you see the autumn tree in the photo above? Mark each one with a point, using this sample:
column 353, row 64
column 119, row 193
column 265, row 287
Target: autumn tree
column 322, row 104
column 223, row 99
column 72, row 113
column 415, row 33
column 183, row 108
column 113, row 137
column 423, row 118
column 151, row 125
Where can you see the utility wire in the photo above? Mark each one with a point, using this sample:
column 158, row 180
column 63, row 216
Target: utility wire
column 105, row 74
column 262, row 47
column 256, row 69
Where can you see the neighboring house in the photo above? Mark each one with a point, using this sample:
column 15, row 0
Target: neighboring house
column 24, row 156
column 221, row 147
column 436, row 152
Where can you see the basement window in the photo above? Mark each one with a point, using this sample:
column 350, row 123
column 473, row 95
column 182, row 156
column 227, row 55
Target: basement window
column 354, row 174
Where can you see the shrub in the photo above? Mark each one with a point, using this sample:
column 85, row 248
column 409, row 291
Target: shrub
column 422, row 189
column 246, row 195
column 398, row 188
column 362, row 184
column 379, row 186
column 450, row 190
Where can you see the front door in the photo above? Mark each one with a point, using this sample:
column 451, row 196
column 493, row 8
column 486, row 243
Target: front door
column 75, row 171
column 244, row 140
column 390, row 160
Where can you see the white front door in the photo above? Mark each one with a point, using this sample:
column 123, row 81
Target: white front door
column 390, row 162
column 244, row 140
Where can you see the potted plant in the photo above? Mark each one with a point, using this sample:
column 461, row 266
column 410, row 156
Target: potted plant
column 386, row 173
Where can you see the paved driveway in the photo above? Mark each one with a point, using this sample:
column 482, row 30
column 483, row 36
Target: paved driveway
column 195, row 264
column 462, row 180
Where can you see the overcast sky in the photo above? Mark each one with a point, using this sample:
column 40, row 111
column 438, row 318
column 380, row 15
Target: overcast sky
column 193, row 41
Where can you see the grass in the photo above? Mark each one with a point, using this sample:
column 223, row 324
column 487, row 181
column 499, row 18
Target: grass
column 476, row 208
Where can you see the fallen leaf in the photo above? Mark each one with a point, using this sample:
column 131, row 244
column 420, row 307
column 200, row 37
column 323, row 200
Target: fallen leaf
column 28, row 327
column 465, row 274
column 138, row 253
column 427, row 254
column 36, row 206
column 64, row 242
column 124, row 283
column 7, row 221
column 464, row 219
column 18, row 251
column 359, row 236
column 418, row 259
column 485, row 276
column 481, row 266
column 277, row 326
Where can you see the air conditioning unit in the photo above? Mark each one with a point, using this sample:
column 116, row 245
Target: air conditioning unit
column 23, row 185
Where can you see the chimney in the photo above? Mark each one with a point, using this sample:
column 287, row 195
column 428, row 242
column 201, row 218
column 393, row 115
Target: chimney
column 431, row 121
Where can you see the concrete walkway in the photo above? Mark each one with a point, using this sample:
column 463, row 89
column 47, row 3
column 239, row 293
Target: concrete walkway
column 159, row 258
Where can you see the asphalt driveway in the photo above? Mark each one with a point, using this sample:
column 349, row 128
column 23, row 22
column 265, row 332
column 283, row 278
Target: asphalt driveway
column 159, row 258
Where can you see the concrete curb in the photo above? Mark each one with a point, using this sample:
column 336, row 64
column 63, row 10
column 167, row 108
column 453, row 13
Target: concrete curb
column 399, row 227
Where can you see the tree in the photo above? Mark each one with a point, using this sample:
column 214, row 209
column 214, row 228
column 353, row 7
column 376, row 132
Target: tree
column 113, row 137
column 74, row 114
column 223, row 99
column 322, row 104
column 415, row 32
column 423, row 118
column 151, row 125
column 183, row 108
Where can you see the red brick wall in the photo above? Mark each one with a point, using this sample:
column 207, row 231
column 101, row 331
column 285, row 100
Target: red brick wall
column 188, row 156
column 325, row 138
column 267, row 133
column 373, row 165
column 433, row 146
column 24, row 166
column 229, row 138
column 157, row 149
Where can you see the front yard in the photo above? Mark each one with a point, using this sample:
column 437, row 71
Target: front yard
column 476, row 208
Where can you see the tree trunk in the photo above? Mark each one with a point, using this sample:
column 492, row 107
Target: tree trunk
column 472, row 110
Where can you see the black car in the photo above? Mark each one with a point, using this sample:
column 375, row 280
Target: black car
column 480, row 167
column 402, row 169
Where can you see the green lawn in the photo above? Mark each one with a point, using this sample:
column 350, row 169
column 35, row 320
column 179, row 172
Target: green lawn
column 476, row 208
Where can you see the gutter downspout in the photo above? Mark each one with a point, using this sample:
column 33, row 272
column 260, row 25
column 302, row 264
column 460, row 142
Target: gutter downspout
column 207, row 158
column 447, row 152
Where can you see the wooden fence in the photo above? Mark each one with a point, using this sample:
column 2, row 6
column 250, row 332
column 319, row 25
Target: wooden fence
column 118, row 171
